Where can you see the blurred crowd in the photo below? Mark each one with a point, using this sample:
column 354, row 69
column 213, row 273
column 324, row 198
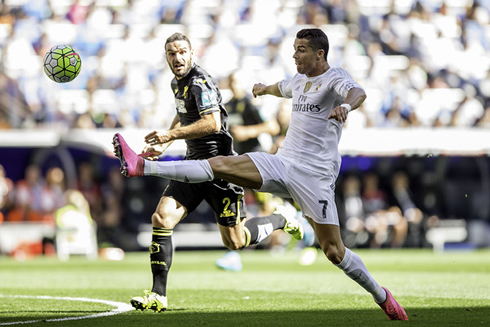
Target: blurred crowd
column 42, row 196
column 379, row 207
column 423, row 63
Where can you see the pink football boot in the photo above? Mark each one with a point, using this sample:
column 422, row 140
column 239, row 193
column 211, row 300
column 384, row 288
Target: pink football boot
column 392, row 309
column 132, row 165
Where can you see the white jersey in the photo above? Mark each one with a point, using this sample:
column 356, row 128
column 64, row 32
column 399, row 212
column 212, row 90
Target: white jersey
column 312, row 139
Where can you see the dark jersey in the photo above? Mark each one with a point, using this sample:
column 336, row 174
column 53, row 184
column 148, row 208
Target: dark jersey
column 197, row 94
column 243, row 113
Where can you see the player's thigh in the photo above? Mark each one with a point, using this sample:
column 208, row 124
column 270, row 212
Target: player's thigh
column 228, row 205
column 168, row 213
column 273, row 172
column 314, row 193
column 226, row 200
column 178, row 200
column 239, row 170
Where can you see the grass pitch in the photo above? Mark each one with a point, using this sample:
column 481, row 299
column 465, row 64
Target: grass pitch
column 449, row 289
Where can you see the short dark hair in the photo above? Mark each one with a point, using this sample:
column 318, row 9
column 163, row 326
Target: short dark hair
column 317, row 39
column 177, row 37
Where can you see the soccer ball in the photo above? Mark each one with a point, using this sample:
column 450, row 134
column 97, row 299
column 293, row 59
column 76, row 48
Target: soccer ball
column 62, row 64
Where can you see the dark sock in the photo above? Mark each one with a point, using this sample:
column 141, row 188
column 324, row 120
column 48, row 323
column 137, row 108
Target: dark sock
column 161, row 253
column 261, row 227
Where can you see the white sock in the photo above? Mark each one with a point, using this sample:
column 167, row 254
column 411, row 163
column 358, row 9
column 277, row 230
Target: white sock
column 187, row 171
column 353, row 267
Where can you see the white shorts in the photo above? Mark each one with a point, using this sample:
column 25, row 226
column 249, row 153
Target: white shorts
column 313, row 191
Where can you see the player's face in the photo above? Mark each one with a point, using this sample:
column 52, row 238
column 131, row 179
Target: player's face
column 179, row 58
column 305, row 57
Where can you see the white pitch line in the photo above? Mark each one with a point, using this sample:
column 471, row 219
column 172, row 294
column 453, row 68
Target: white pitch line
column 120, row 308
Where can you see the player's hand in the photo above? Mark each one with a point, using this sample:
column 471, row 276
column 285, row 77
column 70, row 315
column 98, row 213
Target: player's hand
column 158, row 138
column 152, row 152
column 339, row 113
column 239, row 133
column 259, row 89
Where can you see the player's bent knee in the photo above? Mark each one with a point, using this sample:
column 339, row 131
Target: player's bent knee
column 160, row 221
column 233, row 242
column 233, row 245
column 333, row 254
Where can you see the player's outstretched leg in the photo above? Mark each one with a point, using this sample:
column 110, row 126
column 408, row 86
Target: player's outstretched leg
column 132, row 165
column 150, row 301
column 392, row 309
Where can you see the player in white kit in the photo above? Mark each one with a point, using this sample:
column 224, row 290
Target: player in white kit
column 306, row 166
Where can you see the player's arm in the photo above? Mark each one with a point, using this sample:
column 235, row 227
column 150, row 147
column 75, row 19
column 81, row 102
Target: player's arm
column 152, row 152
column 262, row 89
column 355, row 97
column 243, row 133
column 207, row 125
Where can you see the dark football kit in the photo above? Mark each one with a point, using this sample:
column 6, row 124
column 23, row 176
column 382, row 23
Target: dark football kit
column 197, row 94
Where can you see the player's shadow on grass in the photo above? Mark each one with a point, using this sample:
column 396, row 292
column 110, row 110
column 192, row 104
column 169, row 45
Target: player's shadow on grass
column 470, row 316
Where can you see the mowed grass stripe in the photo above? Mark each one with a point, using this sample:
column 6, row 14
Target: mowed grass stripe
column 25, row 309
column 449, row 289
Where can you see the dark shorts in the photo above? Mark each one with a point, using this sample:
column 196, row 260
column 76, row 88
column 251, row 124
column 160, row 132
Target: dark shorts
column 226, row 199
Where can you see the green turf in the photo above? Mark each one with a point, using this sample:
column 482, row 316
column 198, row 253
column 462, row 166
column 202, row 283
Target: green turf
column 449, row 289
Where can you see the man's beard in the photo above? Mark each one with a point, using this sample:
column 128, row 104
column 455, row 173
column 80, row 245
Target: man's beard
column 184, row 73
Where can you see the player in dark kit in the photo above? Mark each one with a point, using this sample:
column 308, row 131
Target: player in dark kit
column 201, row 121
column 246, row 121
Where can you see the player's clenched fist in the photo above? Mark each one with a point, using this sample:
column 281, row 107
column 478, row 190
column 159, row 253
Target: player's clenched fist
column 259, row 89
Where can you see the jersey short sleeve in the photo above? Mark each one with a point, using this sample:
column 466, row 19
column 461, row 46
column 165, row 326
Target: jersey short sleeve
column 206, row 96
column 286, row 88
column 342, row 82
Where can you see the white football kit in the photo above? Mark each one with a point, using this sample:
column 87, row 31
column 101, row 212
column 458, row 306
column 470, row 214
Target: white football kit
column 306, row 166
